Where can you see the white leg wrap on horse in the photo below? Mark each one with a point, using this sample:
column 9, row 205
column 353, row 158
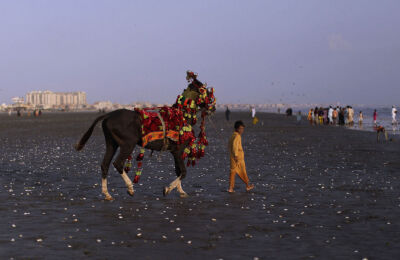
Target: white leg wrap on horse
column 127, row 181
column 104, row 189
column 174, row 183
column 179, row 186
column 180, row 190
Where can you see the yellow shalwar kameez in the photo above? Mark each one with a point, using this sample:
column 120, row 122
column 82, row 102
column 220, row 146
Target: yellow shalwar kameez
column 237, row 167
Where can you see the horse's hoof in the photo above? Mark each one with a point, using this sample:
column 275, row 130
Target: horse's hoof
column 130, row 193
column 109, row 198
column 184, row 195
column 165, row 191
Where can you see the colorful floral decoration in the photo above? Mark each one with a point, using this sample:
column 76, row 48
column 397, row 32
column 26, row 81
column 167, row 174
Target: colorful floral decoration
column 178, row 121
column 128, row 164
column 139, row 159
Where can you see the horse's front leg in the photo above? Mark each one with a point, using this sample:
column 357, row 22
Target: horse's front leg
column 180, row 170
column 180, row 164
column 182, row 193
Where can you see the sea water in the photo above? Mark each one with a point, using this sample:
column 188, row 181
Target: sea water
column 384, row 118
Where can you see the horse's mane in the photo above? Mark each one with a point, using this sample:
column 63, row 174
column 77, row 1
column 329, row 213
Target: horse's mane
column 195, row 84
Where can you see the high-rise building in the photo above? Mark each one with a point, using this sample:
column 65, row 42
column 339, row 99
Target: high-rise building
column 49, row 99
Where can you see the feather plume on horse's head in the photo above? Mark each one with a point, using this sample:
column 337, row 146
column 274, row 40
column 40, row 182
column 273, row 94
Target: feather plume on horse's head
column 190, row 75
column 194, row 83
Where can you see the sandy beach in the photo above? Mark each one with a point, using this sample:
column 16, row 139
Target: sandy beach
column 320, row 192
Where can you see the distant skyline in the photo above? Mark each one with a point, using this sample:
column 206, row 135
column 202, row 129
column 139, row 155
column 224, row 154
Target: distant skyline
column 250, row 51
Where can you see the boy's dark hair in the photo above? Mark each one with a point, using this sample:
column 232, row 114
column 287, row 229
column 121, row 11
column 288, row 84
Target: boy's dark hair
column 238, row 124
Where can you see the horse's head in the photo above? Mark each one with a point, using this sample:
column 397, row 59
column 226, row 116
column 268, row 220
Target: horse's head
column 200, row 98
column 204, row 97
column 197, row 93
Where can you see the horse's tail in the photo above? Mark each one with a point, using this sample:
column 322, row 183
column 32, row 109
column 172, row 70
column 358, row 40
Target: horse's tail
column 79, row 146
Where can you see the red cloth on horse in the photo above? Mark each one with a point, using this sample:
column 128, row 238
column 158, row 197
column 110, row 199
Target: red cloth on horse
column 173, row 121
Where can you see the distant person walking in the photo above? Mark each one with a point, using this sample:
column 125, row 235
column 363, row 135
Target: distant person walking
column 351, row 115
column 227, row 113
column 321, row 116
column 341, row 116
column 298, row 117
column 325, row 116
column 346, row 115
column 375, row 116
column 394, row 114
column 335, row 114
column 360, row 118
column 310, row 116
column 316, row 112
column 330, row 115
column 253, row 112
column 238, row 165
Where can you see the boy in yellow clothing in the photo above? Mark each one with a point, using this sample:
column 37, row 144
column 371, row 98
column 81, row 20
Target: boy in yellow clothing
column 237, row 158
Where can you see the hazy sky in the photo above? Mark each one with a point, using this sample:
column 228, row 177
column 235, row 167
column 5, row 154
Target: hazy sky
column 250, row 51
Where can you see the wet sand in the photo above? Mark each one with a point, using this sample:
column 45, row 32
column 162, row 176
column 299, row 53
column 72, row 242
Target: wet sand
column 320, row 192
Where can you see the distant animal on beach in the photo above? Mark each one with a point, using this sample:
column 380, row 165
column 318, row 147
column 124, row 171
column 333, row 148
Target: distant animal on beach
column 164, row 129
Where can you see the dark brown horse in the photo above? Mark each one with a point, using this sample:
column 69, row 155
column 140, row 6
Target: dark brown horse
column 122, row 128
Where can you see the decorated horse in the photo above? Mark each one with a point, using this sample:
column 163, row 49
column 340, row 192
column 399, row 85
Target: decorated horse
column 158, row 129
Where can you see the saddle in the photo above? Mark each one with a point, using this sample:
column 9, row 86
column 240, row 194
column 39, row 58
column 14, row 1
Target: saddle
column 160, row 123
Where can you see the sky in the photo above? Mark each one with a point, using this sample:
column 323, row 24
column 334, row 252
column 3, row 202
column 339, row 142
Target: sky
column 258, row 52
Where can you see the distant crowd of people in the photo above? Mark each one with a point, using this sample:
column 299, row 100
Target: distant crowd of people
column 328, row 116
column 35, row 113
column 341, row 116
column 333, row 116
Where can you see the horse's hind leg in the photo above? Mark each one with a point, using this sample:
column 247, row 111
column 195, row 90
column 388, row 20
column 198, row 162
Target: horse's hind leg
column 124, row 152
column 111, row 148
column 180, row 170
